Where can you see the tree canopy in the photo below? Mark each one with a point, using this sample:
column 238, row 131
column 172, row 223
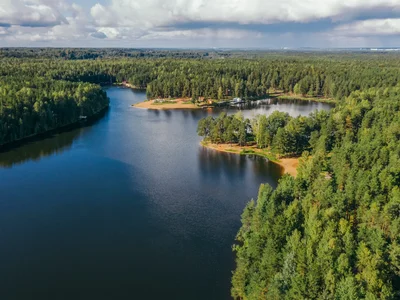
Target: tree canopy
column 29, row 106
column 333, row 231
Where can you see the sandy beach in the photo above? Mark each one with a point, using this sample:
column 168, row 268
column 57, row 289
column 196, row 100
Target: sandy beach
column 179, row 103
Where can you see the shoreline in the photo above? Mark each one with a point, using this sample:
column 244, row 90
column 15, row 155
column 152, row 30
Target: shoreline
column 48, row 133
column 289, row 165
column 179, row 103
column 274, row 94
column 299, row 98
column 128, row 85
column 182, row 103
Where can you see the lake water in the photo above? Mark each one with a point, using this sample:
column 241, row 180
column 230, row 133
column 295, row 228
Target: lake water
column 130, row 207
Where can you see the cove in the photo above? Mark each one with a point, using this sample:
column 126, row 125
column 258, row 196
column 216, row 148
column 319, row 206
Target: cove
column 129, row 207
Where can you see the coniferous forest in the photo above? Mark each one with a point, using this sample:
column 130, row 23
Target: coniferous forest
column 48, row 88
column 34, row 105
column 333, row 232
column 285, row 135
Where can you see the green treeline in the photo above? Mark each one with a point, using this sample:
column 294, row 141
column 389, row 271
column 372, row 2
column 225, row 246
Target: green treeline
column 280, row 132
column 224, row 79
column 103, row 53
column 30, row 106
column 42, row 89
column 333, row 232
column 312, row 75
column 225, row 129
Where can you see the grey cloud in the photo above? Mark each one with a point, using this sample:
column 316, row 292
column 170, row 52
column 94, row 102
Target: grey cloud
column 99, row 35
column 373, row 27
column 257, row 23
column 162, row 13
column 3, row 30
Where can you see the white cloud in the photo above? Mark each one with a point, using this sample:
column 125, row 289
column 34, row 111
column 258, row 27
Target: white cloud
column 204, row 33
column 161, row 19
column 195, row 22
column 370, row 28
column 3, row 31
column 122, row 32
column 30, row 13
column 155, row 13
column 74, row 26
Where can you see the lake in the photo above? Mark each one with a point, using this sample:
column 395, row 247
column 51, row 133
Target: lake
column 130, row 207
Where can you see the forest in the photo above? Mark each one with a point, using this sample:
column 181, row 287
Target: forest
column 333, row 232
column 315, row 75
column 279, row 132
column 43, row 89
column 34, row 105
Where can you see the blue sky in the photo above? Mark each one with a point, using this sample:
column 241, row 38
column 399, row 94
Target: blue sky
column 200, row 23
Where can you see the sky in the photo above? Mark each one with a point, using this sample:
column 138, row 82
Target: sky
column 200, row 23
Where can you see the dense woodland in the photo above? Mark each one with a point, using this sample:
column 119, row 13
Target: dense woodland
column 33, row 105
column 100, row 53
column 279, row 132
column 42, row 89
column 333, row 232
column 330, row 76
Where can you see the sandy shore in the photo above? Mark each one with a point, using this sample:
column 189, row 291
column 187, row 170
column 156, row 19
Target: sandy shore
column 178, row 104
column 131, row 86
column 288, row 164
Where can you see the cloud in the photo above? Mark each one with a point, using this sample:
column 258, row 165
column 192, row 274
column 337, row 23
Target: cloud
column 200, row 23
column 116, row 33
column 371, row 27
column 74, row 26
column 204, row 33
column 237, row 19
column 99, row 35
column 30, row 13
column 155, row 13
column 3, row 31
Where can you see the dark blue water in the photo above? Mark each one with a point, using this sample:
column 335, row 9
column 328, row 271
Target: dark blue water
column 130, row 207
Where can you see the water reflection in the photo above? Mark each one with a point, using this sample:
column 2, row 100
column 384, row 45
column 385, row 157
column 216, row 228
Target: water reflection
column 38, row 149
column 274, row 101
column 274, row 170
column 267, row 106
column 251, row 109
column 168, row 113
column 215, row 164
column 53, row 144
